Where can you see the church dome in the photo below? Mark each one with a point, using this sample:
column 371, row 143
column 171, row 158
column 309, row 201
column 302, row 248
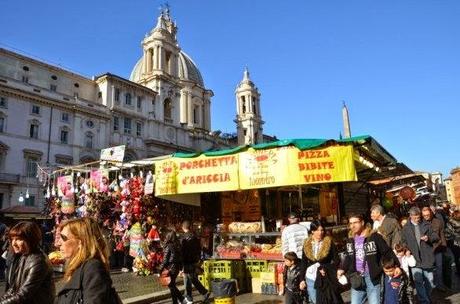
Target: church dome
column 187, row 70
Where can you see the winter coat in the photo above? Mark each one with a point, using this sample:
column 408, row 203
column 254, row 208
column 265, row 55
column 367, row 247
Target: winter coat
column 391, row 231
column 292, row 278
column 423, row 254
column 405, row 292
column 375, row 249
column 328, row 287
column 172, row 258
column 292, row 238
column 453, row 230
column 327, row 254
column 191, row 248
column 92, row 280
column 438, row 228
column 29, row 280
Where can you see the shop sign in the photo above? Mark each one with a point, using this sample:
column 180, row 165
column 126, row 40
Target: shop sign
column 149, row 183
column 207, row 174
column 290, row 166
column 255, row 169
column 115, row 154
column 325, row 165
column 267, row 168
column 166, row 177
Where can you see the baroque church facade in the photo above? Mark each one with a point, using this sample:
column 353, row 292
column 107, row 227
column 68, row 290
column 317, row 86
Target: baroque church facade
column 51, row 117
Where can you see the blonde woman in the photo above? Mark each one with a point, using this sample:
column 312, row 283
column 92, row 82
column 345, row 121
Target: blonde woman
column 87, row 278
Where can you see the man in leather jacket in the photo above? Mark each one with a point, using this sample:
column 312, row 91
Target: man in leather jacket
column 191, row 254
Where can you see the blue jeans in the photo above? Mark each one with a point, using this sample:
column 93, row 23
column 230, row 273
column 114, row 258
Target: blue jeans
column 423, row 280
column 438, row 279
column 311, row 291
column 372, row 293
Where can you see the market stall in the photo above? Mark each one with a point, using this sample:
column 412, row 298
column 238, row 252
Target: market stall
column 259, row 184
column 121, row 196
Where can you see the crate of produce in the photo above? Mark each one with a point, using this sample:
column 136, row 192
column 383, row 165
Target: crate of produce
column 268, row 277
column 255, row 267
column 218, row 269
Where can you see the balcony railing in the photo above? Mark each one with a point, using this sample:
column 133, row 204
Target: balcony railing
column 8, row 178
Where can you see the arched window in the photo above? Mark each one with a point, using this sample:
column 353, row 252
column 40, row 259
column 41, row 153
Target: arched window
column 128, row 99
column 243, row 102
column 89, row 140
column 167, row 110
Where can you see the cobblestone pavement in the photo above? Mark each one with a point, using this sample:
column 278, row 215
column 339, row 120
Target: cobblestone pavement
column 130, row 285
column 452, row 297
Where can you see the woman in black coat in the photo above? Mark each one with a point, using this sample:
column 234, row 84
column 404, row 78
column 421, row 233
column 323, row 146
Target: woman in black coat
column 319, row 266
column 87, row 278
column 29, row 276
column 172, row 262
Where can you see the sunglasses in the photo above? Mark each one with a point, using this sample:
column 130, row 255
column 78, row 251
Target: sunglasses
column 64, row 238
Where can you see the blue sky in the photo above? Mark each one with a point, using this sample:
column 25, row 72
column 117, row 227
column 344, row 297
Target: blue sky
column 395, row 63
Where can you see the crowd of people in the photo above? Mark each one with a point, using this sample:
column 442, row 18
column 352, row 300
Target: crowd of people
column 29, row 275
column 386, row 260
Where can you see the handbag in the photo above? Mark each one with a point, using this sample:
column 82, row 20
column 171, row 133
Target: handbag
column 357, row 281
column 165, row 278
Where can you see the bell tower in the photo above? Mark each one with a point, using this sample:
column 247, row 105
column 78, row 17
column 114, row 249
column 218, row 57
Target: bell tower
column 161, row 50
column 248, row 115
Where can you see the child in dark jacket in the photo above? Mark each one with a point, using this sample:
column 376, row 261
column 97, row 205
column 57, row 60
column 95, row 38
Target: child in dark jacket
column 394, row 289
column 292, row 278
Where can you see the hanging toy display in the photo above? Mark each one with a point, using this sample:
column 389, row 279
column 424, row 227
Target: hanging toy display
column 135, row 239
column 66, row 193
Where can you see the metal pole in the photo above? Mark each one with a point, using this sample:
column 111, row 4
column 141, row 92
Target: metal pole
column 300, row 197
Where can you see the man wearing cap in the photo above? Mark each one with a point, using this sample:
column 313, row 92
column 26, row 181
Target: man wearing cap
column 293, row 236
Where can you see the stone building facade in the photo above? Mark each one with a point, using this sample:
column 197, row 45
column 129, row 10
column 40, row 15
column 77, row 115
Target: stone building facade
column 52, row 117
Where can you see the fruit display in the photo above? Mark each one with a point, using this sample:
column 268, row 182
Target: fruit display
column 269, row 251
column 232, row 249
column 56, row 258
column 237, row 249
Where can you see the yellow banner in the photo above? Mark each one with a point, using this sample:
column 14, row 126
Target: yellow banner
column 289, row 166
column 266, row 168
column 166, row 177
column 254, row 169
column 207, row 173
column 325, row 165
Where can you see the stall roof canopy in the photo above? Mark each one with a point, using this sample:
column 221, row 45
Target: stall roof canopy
column 363, row 142
column 365, row 145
